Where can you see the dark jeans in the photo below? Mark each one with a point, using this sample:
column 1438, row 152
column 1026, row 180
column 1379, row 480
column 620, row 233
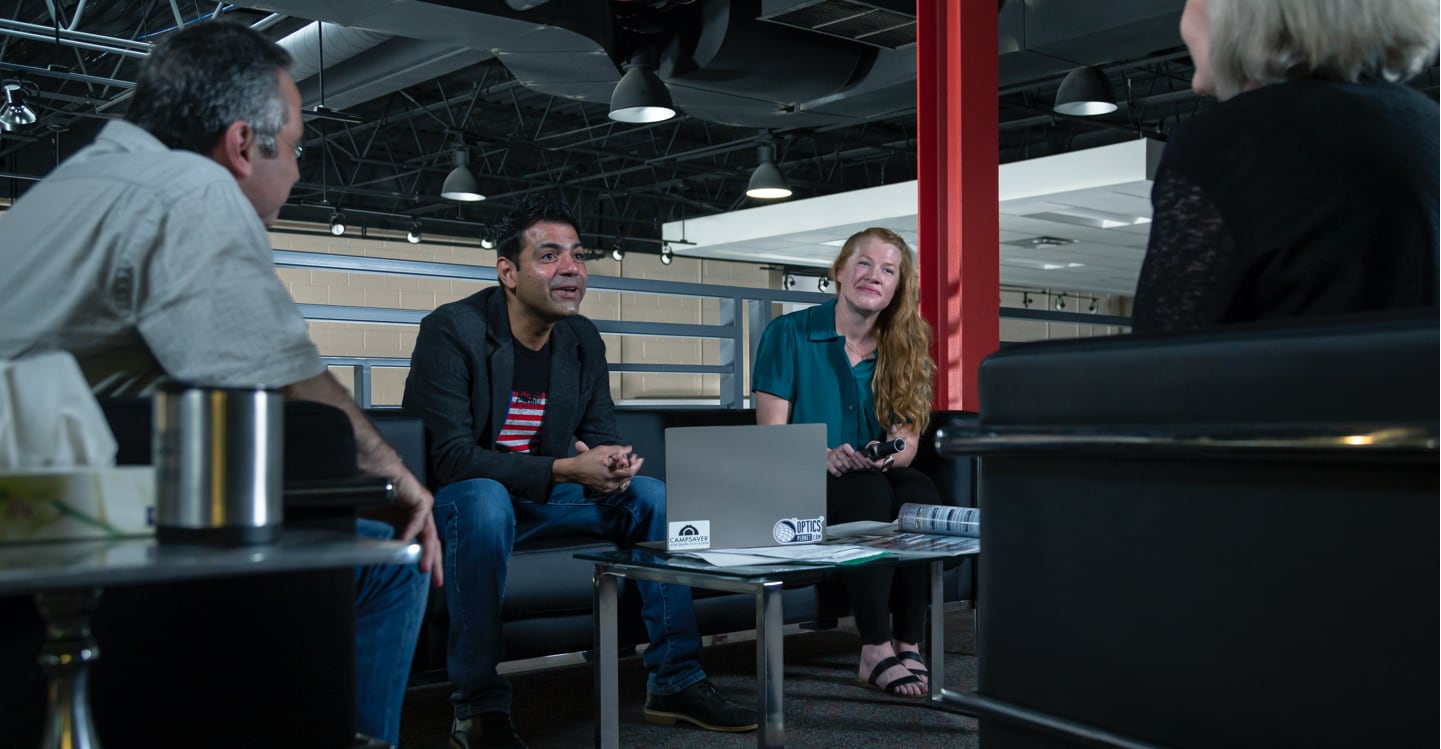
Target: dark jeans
column 878, row 592
column 480, row 522
column 389, row 605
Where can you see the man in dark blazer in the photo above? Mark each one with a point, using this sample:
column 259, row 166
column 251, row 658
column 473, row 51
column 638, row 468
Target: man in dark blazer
column 504, row 380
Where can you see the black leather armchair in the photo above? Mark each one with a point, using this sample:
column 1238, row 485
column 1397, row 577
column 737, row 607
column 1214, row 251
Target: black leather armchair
column 1216, row 539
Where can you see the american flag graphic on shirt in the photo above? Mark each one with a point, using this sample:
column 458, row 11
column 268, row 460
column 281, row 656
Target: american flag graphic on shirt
column 522, row 421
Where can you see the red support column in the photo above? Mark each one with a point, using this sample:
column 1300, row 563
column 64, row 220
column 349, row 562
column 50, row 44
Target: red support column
column 959, row 213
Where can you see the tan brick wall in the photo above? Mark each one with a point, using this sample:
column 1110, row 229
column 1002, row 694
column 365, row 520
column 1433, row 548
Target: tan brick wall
column 402, row 292
column 387, row 385
column 1016, row 331
column 412, row 293
column 661, row 349
column 679, row 310
column 378, row 243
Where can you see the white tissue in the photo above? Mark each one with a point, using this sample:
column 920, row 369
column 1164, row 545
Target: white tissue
column 49, row 418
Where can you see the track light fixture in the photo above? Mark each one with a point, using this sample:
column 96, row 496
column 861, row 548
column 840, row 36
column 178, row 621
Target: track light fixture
column 337, row 223
column 460, row 183
column 15, row 113
column 617, row 251
column 487, row 238
column 767, row 181
column 1085, row 92
column 1061, row 301
column 823, row 283
column 788, row 281
column 1093, row 307
column 1026, row 299
column 641, row 96
column 412, row 235
column 667, row 255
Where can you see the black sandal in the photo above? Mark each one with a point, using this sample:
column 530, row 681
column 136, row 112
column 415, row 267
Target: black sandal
column 890, row 687
column 911, row 655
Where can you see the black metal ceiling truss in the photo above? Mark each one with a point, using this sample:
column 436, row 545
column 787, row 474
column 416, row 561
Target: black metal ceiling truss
column 623, row 180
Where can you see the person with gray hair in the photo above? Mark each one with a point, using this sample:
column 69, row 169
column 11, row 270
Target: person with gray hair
column 166, row 270
column 1312, row 188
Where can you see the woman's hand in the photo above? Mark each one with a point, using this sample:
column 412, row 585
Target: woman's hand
column 846, row 459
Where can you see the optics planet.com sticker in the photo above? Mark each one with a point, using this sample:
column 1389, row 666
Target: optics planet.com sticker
column 799, row 530
column 688, row 534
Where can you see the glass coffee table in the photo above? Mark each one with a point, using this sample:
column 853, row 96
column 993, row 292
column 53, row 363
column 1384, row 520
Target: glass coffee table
column 766, row 584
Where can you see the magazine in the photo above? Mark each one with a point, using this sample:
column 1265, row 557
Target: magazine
column 919, row 530
column 947, row 520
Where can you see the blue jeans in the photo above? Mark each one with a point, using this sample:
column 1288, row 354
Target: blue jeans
column 479, row 522
column 389, row 604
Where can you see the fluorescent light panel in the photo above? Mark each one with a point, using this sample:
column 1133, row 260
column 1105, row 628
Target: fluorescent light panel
column 1089, row 217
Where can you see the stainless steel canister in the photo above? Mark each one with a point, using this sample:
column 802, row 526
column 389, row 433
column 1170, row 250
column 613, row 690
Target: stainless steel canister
column 218, row 472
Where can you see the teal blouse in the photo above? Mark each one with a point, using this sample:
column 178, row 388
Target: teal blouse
column 802, row 359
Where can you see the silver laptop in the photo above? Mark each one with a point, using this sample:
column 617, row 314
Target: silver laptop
column 732, row 487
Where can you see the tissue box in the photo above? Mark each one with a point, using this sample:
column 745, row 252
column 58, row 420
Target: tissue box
column 66, row 504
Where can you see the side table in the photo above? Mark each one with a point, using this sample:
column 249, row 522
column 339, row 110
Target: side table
column 67, row 579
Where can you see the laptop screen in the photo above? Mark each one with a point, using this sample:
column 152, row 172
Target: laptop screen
column 740, row 486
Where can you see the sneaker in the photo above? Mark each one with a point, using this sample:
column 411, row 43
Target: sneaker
column 701, row 705
column 485, row 731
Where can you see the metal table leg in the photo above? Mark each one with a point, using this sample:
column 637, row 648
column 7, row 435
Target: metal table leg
column 936, row 640
column 66, row 655
column 936, row 648
column 770, row 666
column 607, row 680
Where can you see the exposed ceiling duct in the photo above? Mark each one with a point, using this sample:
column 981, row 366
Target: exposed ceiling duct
column 768, row 64
column 340, row 44
column 890, row 24
column 1045, row 38
column 528, row 83
column 719, row 59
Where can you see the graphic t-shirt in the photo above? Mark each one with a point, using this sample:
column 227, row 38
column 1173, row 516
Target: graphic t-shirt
column 527, row 399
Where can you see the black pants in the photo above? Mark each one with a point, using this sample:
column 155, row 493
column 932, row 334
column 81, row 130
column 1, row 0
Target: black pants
column 877, row 592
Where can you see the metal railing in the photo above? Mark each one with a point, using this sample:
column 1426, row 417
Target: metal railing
column 741, row 309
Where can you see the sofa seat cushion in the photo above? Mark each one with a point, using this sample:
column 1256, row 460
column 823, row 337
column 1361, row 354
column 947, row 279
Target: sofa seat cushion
column 547, row 580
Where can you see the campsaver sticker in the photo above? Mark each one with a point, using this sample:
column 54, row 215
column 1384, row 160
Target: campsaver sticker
column 687, row 534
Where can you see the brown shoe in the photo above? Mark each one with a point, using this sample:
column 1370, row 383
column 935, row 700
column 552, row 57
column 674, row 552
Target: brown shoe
column 701, row 705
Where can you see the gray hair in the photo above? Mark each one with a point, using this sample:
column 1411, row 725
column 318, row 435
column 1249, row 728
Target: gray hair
column 206, row 76
column 1269, row 41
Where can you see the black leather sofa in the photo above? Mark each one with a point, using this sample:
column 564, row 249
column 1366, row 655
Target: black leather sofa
column 1216, row 539
column 547, row 607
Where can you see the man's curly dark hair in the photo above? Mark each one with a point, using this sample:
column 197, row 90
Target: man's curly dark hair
column 526, row 215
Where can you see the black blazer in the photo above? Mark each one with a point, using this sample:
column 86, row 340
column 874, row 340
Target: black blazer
column 460, row 386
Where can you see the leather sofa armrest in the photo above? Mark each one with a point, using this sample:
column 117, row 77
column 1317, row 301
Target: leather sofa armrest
column 357, row 492
column 406, row 434
column 953, row 474
column 1308, row 440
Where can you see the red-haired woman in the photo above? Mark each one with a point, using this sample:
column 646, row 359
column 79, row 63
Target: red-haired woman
column 860, row 365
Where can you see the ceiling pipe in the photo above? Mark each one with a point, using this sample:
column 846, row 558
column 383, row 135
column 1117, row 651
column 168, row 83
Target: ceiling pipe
column 75, row 19
column 341, row 43
column 66, row 76
column 265, row 22
column 80, row 39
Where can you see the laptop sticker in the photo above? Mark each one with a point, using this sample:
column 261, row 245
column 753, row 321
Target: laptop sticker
column 688, row 534
column 799, row 530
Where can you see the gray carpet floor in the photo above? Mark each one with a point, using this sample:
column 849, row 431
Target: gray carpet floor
column 824, row 705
